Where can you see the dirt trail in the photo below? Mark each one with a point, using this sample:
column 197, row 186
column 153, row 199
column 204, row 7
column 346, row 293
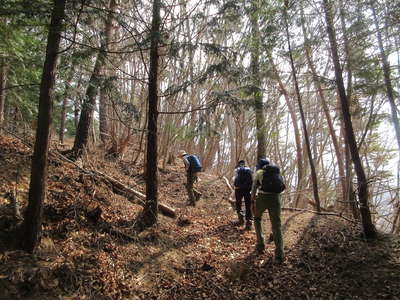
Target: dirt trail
column 199, row 255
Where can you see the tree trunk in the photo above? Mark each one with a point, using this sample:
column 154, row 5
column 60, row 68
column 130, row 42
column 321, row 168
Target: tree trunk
column 387, row 77
column 149, row 215
column 256, row 80
column 103, row 103
column 64, row 105
column 368, row 226
column 89, row 103
column 3, row 81
column 299, row 201
column 318, row 86
column 303, row 120
column 31, row 226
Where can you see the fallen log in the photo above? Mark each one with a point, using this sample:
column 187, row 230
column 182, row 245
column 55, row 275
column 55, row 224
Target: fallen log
column 164, row 209
column 119, row 188
column 126, row 191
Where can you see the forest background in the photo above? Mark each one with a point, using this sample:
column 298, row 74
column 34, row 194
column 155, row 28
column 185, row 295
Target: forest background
column 313, row 86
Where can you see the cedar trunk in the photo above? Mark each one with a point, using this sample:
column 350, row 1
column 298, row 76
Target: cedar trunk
column 89, row 103
column 256, row 81
column 31, row 227
column 368, row 226
column 150, row 211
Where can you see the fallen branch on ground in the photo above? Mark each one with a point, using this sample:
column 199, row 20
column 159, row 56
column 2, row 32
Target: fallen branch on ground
column 320, row 213
column 118, row 187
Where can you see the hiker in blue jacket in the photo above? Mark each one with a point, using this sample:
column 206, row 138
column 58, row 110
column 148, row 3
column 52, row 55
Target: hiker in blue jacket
column 193, row 167
column 242, row 182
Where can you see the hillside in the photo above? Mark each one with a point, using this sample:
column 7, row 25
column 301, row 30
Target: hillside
column 200, row 254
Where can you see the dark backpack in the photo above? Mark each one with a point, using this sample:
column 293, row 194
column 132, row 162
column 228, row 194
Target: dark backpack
column 272, row 181
column 194, row 163
column 244, row 178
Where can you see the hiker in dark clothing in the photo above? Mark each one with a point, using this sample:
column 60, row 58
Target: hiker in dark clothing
column 242, row 181
column 193, row 167
column 268, row 198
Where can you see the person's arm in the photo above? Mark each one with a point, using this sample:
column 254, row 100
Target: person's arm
column 254, row 191
column 186, row 162
column 235, row 173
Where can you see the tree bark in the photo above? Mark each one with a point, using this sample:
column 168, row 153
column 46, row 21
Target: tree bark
column 298, row 202
column 387, row 77
column 3, row 81
column 103, row 102
column 256, row 80
column 149, row 214
column 31, row 226
column 368, row 226
column 89, row 103
column 318, row 86
column 303, row 120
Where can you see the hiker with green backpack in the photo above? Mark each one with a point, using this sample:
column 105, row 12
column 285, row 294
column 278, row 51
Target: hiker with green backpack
column 193, row 167
column 242, row 182
column 270, row 184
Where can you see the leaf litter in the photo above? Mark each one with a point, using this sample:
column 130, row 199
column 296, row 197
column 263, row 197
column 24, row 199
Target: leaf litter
column 90, row 248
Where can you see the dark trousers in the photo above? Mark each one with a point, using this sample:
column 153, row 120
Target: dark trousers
column 239, row 195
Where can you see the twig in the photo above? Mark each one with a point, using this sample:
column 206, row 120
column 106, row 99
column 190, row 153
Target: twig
column 320, row 213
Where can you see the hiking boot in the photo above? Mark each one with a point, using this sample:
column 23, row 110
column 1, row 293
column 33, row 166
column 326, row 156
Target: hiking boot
column 260, row 248
column 248, row 225
column 279, row 259
column 240, row 220
column 190, row 203
column 197, row 196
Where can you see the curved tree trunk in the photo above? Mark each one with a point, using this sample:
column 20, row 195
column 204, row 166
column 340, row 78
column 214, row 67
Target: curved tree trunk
column 32, row 224
column 303, row 120
column 368, row 226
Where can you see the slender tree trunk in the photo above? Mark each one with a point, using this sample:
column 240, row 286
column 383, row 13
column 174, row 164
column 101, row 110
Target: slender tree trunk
column 103, row 102
column 64, row 105
column 256, row 80
column 303, row 120
column 149, row 215
column 386, row 75
column 3, row 81
column 325, row 108
column 368, row 226
column 298, row 202
column 32, row 224
column 89, row 103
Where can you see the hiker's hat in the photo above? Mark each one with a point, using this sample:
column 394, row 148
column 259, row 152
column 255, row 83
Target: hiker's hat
column 241, row 162
column 181, row 153
column 262, row 163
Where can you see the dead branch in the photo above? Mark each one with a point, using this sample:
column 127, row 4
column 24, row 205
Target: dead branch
column 320, row 213
column 132, row 195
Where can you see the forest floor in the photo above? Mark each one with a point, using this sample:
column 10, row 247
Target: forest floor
column 201, row 254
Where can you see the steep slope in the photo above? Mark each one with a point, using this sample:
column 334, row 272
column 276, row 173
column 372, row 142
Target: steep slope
column 91, row 250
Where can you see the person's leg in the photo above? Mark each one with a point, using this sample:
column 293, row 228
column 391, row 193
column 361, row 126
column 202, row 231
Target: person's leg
column 238, row 197
column 247, row 203
column 189, row 188
column 196, row 193
column 274, row 210
column 258, row 212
